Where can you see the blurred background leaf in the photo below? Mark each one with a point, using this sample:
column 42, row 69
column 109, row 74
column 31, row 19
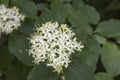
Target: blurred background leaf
column 103, row 76
column 110, row 56
column 109, row 28
column 100, row 39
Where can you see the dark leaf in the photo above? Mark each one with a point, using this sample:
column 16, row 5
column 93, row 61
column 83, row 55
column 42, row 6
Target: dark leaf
column 78, row 71
column 42, row 72
column 18, row 46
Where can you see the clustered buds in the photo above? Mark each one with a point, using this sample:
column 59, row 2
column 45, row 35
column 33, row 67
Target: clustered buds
column 10, row 19
column 53, row 44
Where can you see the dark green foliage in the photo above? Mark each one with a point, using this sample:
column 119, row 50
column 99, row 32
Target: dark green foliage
column 27, row 7
column 18, row 46
column 42, row 72
column 78, row 71
column 98, row 30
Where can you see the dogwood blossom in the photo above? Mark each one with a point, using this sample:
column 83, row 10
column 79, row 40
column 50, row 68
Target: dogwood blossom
column 53, row 44
column 10, row 19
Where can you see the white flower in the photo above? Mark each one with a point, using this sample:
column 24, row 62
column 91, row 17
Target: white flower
column 10, row 19
column 53, row 44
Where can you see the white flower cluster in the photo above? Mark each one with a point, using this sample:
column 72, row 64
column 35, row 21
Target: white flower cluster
column 10, row 19
column 53, row 44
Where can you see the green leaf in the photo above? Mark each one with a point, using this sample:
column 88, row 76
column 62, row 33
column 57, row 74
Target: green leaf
column 81, row 15
column 118, row 39
column 80, row 34
column 5, row 57
column 45, row 17
column 77, row 3
column 42, row 72
column 58, row 12
column 1, row 73
column 27, row 27
column 12, row 69
column 78, row 71
column 86, row 13
column 16, row 71
column 90, row 53
column 109, row 28
column 5, row 2
column 110, row 56
column 3, row 39
column 18, row 46
column 103, row 76
column 60, row 0
column 42, row 6
column 100, row 39
column 77, row 21
column 27, row 7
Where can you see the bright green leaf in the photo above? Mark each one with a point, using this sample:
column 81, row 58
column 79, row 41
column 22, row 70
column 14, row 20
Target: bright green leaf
column 78, row 71
column 27, row 7
column 103, row 76
column 110, row 56
column 109, row 28
column 18, row 46
column 42, row 72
